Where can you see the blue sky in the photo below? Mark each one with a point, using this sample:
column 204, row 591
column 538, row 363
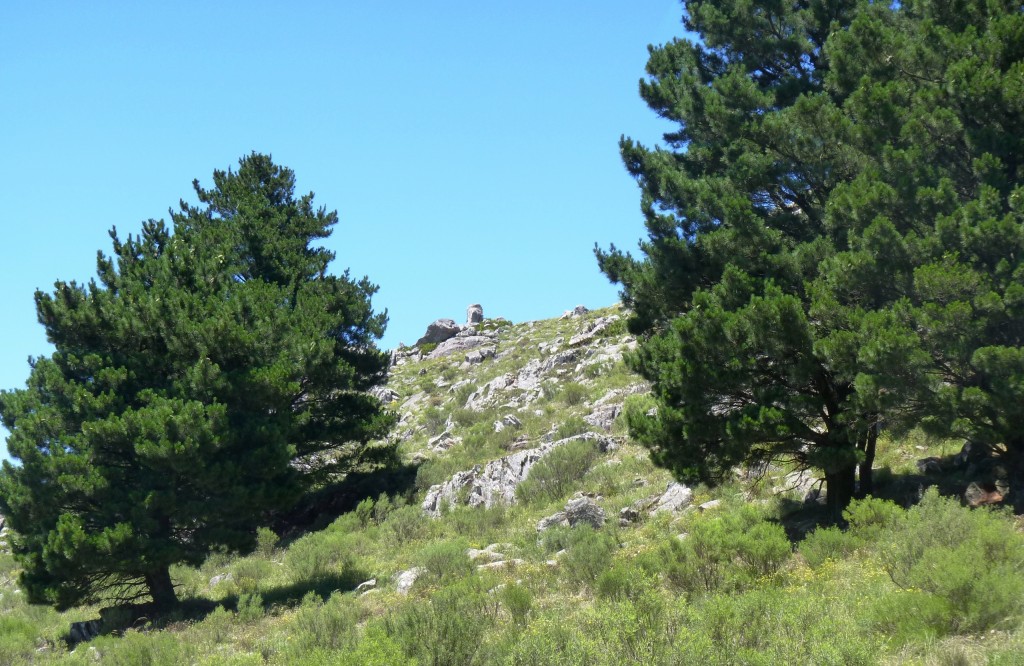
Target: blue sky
column 470, row 148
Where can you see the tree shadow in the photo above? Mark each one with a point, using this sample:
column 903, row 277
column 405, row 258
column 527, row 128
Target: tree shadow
column 321, row 507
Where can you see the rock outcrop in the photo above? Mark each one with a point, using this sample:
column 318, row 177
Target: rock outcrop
column 495, row 482
column 439, row 331
column 474, row 314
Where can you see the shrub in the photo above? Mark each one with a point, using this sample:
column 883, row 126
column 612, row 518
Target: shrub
column 554, row 475
column 317, row 556
column 406, row 524
column 825, row 544
column 972, row 560
column 518, row 601
column 331, row 625
column 588, row 555
column 250, row 608
column 250, row 572
column 573, row 394
column 728, row 552
column 572, row 426
column 446, row 560
column 266, row 541
column 448, row 631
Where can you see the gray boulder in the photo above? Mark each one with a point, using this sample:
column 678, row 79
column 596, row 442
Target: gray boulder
column 474, row 314
column 496, row 482
column 439, row 331
column 458, row 344
column 404, row 580
column 584, row 511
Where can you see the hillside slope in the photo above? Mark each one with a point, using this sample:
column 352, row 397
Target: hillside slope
column 532, row 531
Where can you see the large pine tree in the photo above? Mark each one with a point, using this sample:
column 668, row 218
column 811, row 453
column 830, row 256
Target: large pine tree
column 832, row 233
column 208, row 376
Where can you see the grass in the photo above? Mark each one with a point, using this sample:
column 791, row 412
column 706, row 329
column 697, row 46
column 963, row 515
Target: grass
column 933, row 585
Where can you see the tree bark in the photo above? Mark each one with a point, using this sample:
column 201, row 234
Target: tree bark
column 864, row 472
column 839, row 487
column 161, row 589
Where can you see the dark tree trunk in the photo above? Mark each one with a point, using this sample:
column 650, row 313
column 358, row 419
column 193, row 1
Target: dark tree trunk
column 161, row 589
column 865, row 474
column 839, row 487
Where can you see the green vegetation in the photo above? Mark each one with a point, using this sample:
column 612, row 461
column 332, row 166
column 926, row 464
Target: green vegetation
column 207, row 378
column 834, row 235
column 831, row 282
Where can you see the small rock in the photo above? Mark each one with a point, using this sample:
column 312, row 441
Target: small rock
column 500, row 564
column 707, row 506
column 555, row 520
column 584, row 510
column 366, row 585
column 474, row 314
column 443, row 442
column 479, row 355
column 405, row 579
column 220, row 578
column 577, row 311
column 676, row 497
column 930, row 465
column 976, row 496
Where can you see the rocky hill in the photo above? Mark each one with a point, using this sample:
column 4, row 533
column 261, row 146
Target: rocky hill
column 520, row 525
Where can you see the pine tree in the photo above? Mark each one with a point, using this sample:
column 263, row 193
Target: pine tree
column 208, row 376
column 833, row 233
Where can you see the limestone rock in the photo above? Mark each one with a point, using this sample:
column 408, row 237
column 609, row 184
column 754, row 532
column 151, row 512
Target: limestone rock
column 366, row 585
column 592, row 330
column 500, row 564
column 480, row 355
column 577, row 311
column 555, row 520
column 384, row 394
column 404, row 580
column 495, row 482
column 455, row 345
column 584, row 511
column 443, row 442
column 675, row 498
column 474, row 314
column 439, row 331
column 604, row 416
column 220, row 578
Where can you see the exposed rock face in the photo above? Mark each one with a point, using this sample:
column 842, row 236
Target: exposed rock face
column 404, row 580
column 603, row 416
column 594, row 328
column 439, row 331
column 443, row 442
column 580, row 510
column 584, row 511
column 384, row 394
column 675, row 498
column 457, row 344
column 495, row 482
column 577, row 311
column 474, row 314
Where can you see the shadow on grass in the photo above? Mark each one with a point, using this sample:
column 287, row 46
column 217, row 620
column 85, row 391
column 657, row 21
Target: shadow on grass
column 116, row 620
column 321, row 507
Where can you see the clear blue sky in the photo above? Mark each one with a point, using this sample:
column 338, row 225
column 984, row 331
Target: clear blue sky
column 470, row 148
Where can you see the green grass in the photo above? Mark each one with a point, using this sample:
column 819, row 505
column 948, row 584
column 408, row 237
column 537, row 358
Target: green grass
column 937, row 584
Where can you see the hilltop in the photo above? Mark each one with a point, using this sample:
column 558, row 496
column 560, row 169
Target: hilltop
column 516, row 522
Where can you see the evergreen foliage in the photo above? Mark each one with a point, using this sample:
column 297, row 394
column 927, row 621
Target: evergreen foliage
column 208, row 376
column 833, row 233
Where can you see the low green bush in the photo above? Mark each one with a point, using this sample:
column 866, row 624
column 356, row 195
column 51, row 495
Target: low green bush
column 588, row 554
column 445, row 561
column 728, row 552
column 557, row 473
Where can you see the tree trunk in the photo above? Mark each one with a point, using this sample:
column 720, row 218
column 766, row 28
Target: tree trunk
column 865, row 475
column 839, row 487
column 161, row 589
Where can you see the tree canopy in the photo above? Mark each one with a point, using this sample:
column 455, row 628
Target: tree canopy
column 211, row 373
column 823, row 231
